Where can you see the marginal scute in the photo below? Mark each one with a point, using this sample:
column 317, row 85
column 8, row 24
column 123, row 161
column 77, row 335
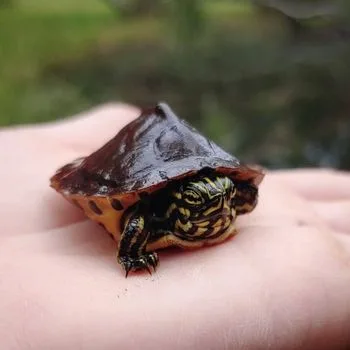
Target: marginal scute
column 116, row 204
column 93, row 206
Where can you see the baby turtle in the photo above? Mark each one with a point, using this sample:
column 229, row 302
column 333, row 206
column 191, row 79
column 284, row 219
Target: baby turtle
column 160, row 183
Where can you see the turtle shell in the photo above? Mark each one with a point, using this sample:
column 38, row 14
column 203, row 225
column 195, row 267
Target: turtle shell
column 145, row 155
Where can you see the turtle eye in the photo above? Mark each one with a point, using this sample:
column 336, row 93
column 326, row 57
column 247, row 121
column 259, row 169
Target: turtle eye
column 192, row 198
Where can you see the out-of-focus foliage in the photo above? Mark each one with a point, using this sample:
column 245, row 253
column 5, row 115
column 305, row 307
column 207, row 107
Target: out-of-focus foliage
column 303, row 9
column 35, row 33
column 127, row 8
column 268, row 80
column 6, row 3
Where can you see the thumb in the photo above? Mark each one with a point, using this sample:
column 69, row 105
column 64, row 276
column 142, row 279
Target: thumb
column 89, row 129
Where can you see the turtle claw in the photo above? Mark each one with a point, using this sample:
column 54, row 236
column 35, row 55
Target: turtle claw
column 142, row 262
column 153, row 260
column 127, row 268
column 148, row 269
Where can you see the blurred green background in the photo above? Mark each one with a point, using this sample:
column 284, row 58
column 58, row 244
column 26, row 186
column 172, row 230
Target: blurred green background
column 269, row 80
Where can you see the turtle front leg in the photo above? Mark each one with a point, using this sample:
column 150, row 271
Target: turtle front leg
column 132, row 253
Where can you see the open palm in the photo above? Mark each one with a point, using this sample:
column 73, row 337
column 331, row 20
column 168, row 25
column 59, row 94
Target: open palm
column 282, row 283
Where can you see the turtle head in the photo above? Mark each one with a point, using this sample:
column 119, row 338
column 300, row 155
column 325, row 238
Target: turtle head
column 208, row 197
column 205, row 205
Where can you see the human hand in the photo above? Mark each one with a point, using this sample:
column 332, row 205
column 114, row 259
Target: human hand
column 282, row 283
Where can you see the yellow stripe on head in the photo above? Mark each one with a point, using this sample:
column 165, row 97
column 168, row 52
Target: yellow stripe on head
column 200, row 187
column 177, row 195
column 213, row 208
column 211, row 183
column 171, row 209
column 203, row 224
column 227, row 183
column 184, row 211
column 184, row 227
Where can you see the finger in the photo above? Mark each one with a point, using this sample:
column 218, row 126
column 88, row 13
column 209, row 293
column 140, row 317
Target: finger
column 317, row 184
column 335, row 213
column 85, row 131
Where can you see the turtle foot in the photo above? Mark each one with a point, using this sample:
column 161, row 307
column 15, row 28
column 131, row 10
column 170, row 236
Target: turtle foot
column 145, row 261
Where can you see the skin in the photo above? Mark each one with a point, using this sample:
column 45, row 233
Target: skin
column 281, row 283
